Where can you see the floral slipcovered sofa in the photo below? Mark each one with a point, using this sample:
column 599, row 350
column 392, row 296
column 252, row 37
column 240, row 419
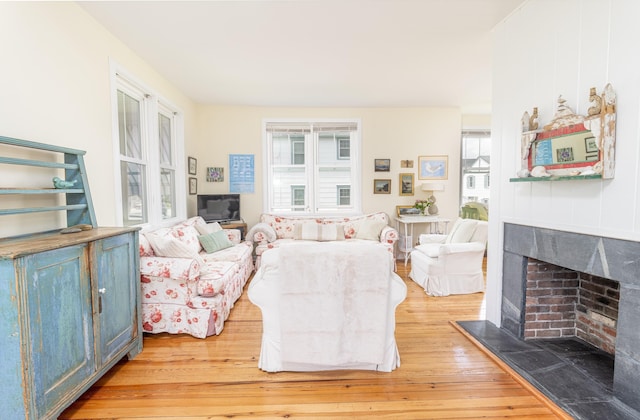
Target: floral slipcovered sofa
column 272, row 230
column 192, row 273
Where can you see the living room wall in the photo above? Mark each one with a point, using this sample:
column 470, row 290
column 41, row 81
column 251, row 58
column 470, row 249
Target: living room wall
column 56, row 89
column 394, row 133
column 546, row 49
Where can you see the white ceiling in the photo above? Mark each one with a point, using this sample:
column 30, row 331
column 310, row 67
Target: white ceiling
column 318, row 53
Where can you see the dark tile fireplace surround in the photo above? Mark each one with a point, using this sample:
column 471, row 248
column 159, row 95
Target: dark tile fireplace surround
column 586, row 381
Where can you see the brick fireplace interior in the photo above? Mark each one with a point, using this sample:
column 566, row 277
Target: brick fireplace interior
column 570, row 319
column 560, row 302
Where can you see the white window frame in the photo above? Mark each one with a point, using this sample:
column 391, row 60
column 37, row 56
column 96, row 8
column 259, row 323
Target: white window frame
column 480, row 191
column 471, row 181
column 313, row 169
column 340, row 149
column 294, row 152
column 340, row 188
column 294, row 189
column 154, row 103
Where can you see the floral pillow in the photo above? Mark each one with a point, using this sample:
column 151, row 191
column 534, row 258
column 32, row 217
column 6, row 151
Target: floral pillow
column 188, row 235
column 168, row 246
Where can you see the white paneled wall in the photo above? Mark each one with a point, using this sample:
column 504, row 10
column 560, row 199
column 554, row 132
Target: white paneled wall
column 546, row 49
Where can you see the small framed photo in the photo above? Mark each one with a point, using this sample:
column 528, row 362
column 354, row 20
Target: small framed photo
column 590, row 145
column 433, row 167
column 193, row 186
column 382, row 186
column 406, row 163
column 193, row 165
column 382, row 165
column 215, row 174
column 406, row 184
column 407, row 211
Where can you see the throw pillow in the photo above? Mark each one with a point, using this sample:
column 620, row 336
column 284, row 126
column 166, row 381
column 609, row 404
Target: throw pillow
column 462, row 231
column 167, row 246
column 215, row 241
column 370, row 229
column 205, row 228
column 187, row 234
column 313, row 231
column 267, row 232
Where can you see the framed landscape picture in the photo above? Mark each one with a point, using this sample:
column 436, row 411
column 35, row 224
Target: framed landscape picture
column 382, row 186
column 433, row 167
column 406, row 184
column 407, row 211
column 382, row 165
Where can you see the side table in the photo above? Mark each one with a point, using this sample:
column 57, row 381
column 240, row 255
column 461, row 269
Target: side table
column 405, row 244
column 240, row 225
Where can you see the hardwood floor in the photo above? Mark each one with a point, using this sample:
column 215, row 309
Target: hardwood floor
column 442, row 376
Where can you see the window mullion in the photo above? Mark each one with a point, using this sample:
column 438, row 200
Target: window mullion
column 311, row 168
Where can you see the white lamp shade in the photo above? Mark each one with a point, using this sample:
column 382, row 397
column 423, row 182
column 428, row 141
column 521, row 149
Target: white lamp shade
column 432, row 186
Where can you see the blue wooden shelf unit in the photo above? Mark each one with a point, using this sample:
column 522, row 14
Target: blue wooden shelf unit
column 70, row 305
column 79, row 206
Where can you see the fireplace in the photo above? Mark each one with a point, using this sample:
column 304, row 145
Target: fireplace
column 597, row 297
column 560, row 302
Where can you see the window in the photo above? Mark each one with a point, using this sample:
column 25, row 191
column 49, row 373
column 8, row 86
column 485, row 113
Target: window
column 312, row 166
column 297, row 150
column 344, row 148
column 147, row 151
column 471, row 181
column 297, row 197
column 476, row 162
column 344, row 195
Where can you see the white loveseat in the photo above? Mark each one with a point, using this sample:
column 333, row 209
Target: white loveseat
column 451, row 264
column 273, row 231
column 191, row 274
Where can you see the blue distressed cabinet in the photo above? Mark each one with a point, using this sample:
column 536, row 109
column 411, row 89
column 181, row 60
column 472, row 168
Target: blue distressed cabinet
column 69, row 310
column 69, row 303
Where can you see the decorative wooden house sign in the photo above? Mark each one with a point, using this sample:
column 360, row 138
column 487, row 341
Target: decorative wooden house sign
column 571, row 146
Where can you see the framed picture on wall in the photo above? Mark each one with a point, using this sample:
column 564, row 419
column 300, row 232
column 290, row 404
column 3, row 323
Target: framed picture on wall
column 193, row 186
column 382, row 165
column 192, row 164
column 406, row 184
column 215, row 174
column 433, row 167
column 382, row 186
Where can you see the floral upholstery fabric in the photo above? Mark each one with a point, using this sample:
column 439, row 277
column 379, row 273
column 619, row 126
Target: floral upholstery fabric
column 282, row 227
column 180, row 296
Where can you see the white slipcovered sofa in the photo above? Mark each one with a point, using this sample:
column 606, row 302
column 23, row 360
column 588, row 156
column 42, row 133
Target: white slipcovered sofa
column 328, row 305
column 272, row 231
column 451, row 264
column 191, row 274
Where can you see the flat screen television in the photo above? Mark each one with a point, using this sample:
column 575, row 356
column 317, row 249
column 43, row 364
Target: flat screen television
column 222, row 208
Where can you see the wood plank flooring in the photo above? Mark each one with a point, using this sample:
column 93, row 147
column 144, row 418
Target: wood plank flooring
column 442, row 376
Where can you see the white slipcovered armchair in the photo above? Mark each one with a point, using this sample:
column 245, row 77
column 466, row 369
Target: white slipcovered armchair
column 328, row 306
column 451, row 264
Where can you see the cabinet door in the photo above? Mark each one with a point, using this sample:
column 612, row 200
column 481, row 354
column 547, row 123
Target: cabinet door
column 60, row 323
column 115, row 267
